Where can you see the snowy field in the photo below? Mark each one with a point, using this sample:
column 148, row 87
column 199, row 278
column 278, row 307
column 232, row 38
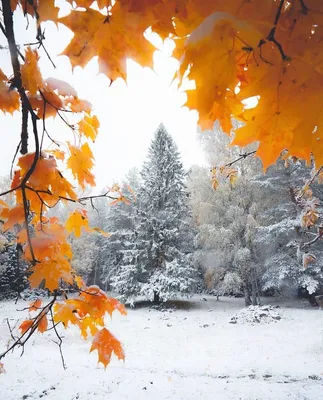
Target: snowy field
column 191, row 352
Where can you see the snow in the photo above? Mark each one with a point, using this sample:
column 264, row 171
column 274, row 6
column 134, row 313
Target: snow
column 191, row 352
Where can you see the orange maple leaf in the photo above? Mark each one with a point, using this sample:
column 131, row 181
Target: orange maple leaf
column 9, row 99
column 3, row 204
column 47, row 11
column 66, row 313
column 14, row 215
column 99, row 303
column 2, row 370
column 51, row 271
column 25, row 325
column 30, row 72
column 42, row 324
column 113, row 39
column 35, row 305
column 106, row 344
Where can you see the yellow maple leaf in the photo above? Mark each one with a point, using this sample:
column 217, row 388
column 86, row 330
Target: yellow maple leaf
column 89, row 126
column 79, row 282
column 58, row 154
column 80, row 163
column 76, row 221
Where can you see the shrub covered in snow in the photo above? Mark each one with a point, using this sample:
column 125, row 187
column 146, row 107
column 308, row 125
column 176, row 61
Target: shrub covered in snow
column 256, row 314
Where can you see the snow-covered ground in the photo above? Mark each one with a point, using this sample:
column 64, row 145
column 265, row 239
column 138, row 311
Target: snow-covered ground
column 192, row 352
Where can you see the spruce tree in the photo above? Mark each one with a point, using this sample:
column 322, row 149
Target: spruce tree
column 159, row 266
column 120, row 270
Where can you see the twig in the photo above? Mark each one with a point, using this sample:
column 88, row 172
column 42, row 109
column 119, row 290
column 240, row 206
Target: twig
column 308, row 184
column 10, row 191
column 304, row 8
column 59, row 338
column 10, row 329
column 271, row 35
column 317, row 237
column 241, row 157
column 14, row 158
column 22, row 340
column 41, row 37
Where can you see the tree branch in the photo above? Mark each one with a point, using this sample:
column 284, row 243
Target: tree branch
column 22, row 340
column 271, row 35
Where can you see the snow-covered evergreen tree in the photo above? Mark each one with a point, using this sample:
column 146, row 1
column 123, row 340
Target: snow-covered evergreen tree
column 281, row 234
column 13, row 279
column 159, row 265
column 120, row 251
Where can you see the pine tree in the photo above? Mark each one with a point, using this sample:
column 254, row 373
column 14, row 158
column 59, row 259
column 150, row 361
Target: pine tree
column 159, row 265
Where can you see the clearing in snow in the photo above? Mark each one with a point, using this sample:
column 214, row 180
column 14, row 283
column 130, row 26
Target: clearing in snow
column 190, row 351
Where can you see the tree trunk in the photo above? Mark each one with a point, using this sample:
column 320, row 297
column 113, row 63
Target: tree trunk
column 156, row 298
column 255, row 293
column 247, row 298
column 312, row 300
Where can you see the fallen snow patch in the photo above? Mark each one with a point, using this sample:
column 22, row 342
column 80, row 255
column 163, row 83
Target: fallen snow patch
column 256, row 314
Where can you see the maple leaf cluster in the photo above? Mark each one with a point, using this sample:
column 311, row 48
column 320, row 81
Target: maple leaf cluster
column 222, row 173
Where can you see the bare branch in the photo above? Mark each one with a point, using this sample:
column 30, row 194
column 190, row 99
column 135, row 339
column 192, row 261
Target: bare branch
column 60, row 341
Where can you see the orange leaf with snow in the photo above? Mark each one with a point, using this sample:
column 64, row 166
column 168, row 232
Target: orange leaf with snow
column 106, row 344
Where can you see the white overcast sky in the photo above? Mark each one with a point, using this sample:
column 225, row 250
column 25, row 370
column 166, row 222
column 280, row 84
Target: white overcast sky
column 129, row 113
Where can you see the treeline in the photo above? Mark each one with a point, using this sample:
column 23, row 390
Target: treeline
column 178, row 234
